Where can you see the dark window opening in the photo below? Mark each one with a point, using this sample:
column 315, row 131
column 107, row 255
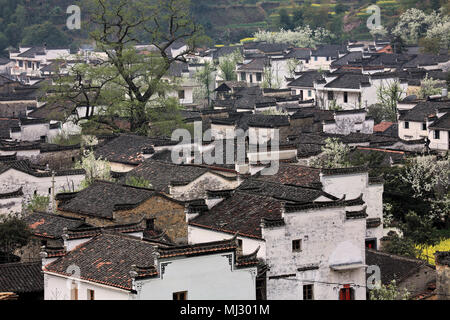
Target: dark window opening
column 259, row 77
column 180, row 295
column 91, row 294
column 371, row 244
column 308, row 292
column 437, row 134
column 297, row 245
column 424, row 126
column 345, row 97
column 330, row 95
column 406, row 125
column 181, row 94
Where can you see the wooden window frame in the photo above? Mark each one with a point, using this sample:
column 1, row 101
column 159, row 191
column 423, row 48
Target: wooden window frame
column 295, row 247
column 308, row 292
column 180, row 294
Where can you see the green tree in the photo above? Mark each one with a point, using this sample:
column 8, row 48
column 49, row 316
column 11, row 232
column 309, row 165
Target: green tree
column 39, row 203
column 205, row 77
column 227, row 66
column 117, row 25
column 138, row 182
column 14, row 234
column 284, row 21
column 39, row 34
column 335, row 154
column 388, row 97
column 389, row 292
column 420, row 230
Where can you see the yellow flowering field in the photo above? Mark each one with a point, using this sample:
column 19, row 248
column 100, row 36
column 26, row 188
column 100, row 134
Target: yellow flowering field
column 444, row 245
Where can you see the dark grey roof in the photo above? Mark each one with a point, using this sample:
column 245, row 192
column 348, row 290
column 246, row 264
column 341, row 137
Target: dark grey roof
column 162, row 174
column 349, row 81
column 129, row 149
column 348, row 58
column 306, row 79
column 282, row 191
column 21, row 277
column 443, row 123
column 177, row 69
column 299, row 53
column 256, row 64
column 50, row 225
column 393, row 267
column 329, row 50
column 423, row 110
column 101, row 198
column 267, row 47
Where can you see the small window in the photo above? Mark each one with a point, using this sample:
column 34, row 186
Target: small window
column 258, row 77
column 345, row 97
column 309, row 93
column 308, row 292
column 424, row 126
column 21, row 63
column 30, row 64
column 49, row 190
column 437, row 134
column 330, row 95
column 328, row 58
column 181, row 94
column 90, row 294
column 240, row 244
column 297, row 245
column 251, row 78
column 406, row 125
column 315, row 58
column 73, row 159
column 180, row 295
column 347, row 293
column 243, row 76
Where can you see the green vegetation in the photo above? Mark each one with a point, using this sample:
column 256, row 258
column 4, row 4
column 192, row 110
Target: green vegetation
column 39, row 203
column 14, row 234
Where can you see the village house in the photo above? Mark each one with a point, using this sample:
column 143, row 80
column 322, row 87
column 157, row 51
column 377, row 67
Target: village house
column 427, row 120
column 11, row 202
column 117, row 267
column 183, row 182
column 29, row 60
column 37, row 181
column 106, row 204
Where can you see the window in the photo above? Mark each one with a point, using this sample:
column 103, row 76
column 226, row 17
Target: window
column 328, row 58
column 90, row 294
column 258, row 77
column 345, row 97
column 297, row 245
column 308, row 292
column 180, row 295
column 315, row 58
column 330, row 95
column 251, row 78
column 21, row 64
column 437, row 134
column 371, row 244
column 181, row 94
column 74, row 291
column 243, row 76
column 30, row 64
column 406, row 125
column 49, row 190
column 309, row 93
column 347, row 293
column 424, row 126
column 240, row 244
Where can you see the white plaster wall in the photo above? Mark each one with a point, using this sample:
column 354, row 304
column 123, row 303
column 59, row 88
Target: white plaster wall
column 11, row 205
column 441, row 144
column 327, row 238
column 413, row 133
column 34, row 132
column 58, row 288
column 13, row 179
column 249, row 245
column 207, row 277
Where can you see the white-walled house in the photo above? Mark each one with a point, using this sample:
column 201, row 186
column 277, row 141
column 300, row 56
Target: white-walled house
column 113, row 266
column 429, row 120
column 29, row 60
column 35, row 181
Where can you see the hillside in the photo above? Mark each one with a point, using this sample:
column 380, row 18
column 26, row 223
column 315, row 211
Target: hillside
column 33, row 22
